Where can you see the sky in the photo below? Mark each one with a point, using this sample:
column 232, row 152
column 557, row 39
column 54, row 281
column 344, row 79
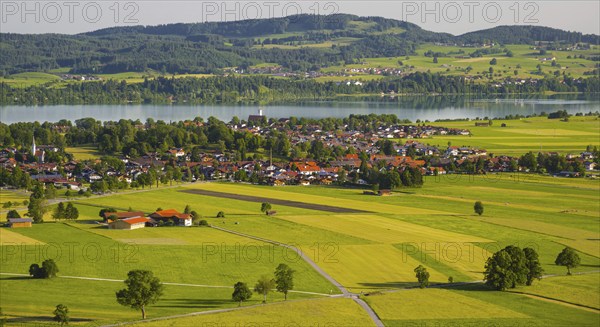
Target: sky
column 455, row 17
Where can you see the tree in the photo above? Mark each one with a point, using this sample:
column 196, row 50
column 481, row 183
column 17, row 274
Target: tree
column 188, row 209
column 265, row 207
column 263, row 286
column 220, row 214
column 61, row 314
column 568, row 258
column 478, row 207
column 103, row 211
column 35, row 271
column 59, row 212
column 142, row 289
column 13, row 214
column 241, row 293
column 50, row 268
column 493, row 61
column 36, row 208
column 71, row 212
column 534, row 266
column 506, row 268
column 284, row 279
column 422, row 276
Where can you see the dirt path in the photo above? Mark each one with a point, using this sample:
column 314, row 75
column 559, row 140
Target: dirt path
column 289, row 203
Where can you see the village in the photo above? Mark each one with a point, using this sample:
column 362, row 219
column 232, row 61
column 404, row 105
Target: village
column 357, row 150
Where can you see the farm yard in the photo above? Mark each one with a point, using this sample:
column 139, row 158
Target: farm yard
column 370, row 248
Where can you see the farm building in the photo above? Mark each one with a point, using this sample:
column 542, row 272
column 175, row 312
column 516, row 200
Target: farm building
column 123, row 215
column 19, row 222
column 129, row 223
column 179, row 219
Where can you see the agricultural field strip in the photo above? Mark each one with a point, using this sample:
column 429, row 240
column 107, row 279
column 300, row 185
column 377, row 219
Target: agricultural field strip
column 560, row 302
column 271, row 193
column 288, row 203
column 165, row 283
column 446, row 302
column 383, row 230
column 374, row 317
column 544, row 228
column 505, row 204
column 268, row 313
column 8, row 237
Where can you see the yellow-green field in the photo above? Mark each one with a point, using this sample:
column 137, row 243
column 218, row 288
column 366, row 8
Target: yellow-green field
column 8, row 237
column 369, row 253
column 525, row 61
column 84, row 152
column 523, row 135
column 336, row 312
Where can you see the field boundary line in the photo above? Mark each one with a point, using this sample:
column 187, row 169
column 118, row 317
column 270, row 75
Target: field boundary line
column 164, row 283
column 558, row 301
column 200, row 313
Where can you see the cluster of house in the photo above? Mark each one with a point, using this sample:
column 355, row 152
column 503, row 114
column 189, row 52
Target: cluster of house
column 80, row 77
column 137, row 219
column 213, row 165
column 385, row 71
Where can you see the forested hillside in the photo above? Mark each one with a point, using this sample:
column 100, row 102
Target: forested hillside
column 210, row 47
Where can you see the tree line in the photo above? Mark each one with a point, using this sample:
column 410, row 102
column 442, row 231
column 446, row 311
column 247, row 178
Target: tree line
column 264, row 89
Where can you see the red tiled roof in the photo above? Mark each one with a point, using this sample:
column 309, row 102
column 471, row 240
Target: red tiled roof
column 125, row 214
column 171, row 213
column 136, row 220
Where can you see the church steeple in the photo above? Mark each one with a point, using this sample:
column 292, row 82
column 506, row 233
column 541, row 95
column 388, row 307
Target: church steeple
column 33, row 149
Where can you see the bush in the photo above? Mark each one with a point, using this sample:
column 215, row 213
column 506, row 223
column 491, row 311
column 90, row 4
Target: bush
column 47, row 270
column 221, row 214
column 203, row 223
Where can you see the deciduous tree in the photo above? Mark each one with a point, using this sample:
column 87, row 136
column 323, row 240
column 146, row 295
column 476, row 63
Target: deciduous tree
column 142, row 289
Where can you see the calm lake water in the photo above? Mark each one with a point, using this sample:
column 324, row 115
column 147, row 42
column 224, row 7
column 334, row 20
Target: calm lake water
column 423, row 108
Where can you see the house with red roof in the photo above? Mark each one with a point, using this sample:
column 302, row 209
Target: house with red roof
column 179, row 219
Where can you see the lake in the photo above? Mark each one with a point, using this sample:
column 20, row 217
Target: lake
column 424, row 108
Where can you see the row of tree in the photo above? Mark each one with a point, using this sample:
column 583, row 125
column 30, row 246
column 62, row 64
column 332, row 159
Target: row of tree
column 264, row 89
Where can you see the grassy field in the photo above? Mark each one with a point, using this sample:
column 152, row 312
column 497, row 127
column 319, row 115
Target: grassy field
column 434, row 226
column 475, row 305
column 523, row 135
column 328, row 312
column 524, row 61
column 84, row 152
column 29, row 79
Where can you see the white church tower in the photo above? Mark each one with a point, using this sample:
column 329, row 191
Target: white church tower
column 33, row 149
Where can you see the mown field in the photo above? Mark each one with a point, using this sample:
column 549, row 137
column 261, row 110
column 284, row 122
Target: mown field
column 367, row 253
column 523, row 135
column 525, row 61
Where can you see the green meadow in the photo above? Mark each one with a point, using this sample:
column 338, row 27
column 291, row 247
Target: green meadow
column 369, row 253
column 525, row 61
column 523, row 135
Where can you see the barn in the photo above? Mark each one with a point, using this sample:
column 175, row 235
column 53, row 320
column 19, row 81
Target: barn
column 19, row 222
column 129, row 223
